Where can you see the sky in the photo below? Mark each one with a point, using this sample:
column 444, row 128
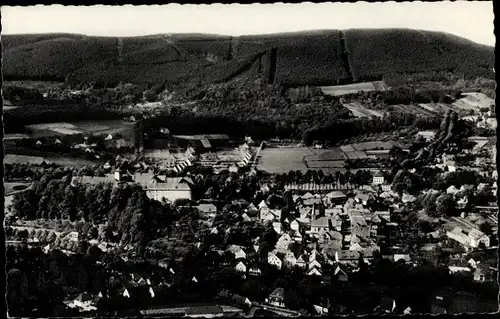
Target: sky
column 472, row 20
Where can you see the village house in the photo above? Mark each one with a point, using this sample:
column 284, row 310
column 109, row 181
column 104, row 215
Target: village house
column 73, row 236
column 240, row 267
column 296, row 236
column 237, row 251
column 378, row 178
column 209, row 210
column 469, row 237
column 427, row 135
column 283, row 243
column 322, row 224
column 314, row 271
column 277, row 227
column 335, row 198
column 484, row 273
column 267, row 214
column 340, row 274
column 277, row 298
column 301, row 262
column 289, row 261
column 294, row 225
column 254, row 271
column 160, row 187
column 274, row 260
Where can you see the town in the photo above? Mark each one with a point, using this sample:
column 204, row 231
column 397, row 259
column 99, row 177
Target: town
column 317, row 173
column 261, row 232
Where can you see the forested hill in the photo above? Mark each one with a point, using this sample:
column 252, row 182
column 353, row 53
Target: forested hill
column 303, row 58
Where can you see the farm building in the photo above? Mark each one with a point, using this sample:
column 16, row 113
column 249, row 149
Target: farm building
column 427, row 135
column 158, row 187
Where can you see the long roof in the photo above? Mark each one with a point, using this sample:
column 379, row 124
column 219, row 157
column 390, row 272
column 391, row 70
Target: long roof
column 278, row 292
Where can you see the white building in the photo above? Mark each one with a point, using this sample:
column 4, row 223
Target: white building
column 469, row 238
column 378, row 178
column 274, row 260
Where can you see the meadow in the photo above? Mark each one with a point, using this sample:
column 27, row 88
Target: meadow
column 339, row 90
column 81, row 127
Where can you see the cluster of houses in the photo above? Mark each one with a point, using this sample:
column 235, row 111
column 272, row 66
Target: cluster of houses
column 157, row 187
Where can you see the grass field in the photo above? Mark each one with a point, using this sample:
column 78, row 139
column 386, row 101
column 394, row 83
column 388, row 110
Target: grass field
column 283, row 160
column 474, row 101
column 360, row 111
column 15, row 187
column 37, row 160
column 84, row 127
column 339, row 90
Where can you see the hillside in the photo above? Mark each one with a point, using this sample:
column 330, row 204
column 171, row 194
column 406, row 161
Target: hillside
column 302, row 58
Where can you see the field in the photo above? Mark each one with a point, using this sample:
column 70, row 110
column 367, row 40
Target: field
column 302, row 58
column 283, row 160
column 360, row 111
column 15, row 187
column 412, row 109
column 474, row 101
column 84, row 127
column 37, row 160
column 339, row 90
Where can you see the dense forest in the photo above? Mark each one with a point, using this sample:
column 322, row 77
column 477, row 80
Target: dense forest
column 302, row 58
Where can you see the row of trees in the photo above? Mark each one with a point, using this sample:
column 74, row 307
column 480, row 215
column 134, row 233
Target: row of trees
column 358, row 178
column 131, row 216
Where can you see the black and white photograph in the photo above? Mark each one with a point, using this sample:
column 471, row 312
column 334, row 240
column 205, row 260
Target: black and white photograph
column 250, row 160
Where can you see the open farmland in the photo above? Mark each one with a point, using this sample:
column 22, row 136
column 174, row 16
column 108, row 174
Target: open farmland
column 24, row 159
column 84, row 127
column 283, row 160
column 37, row 160
column 411, row 109
column 435, row 107
column 14, row 187
column 339, row 90
column 474, row 101
column 360, row 111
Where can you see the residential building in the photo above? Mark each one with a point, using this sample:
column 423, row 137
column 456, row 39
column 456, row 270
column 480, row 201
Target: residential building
column 237, row 251
column 289, row 261
column 254, row 271
column 277, row 227
column 274, row 260
column 240, row 267
column 159, row 187
column 427, row 135
column 267, row 214
column 320, row 225
column 207, row 209
column 340, row 274
column 378, row 178
column 301, row 263
column 277, row 298
column 314, row 271
column 470, row 237
column 283, row 243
